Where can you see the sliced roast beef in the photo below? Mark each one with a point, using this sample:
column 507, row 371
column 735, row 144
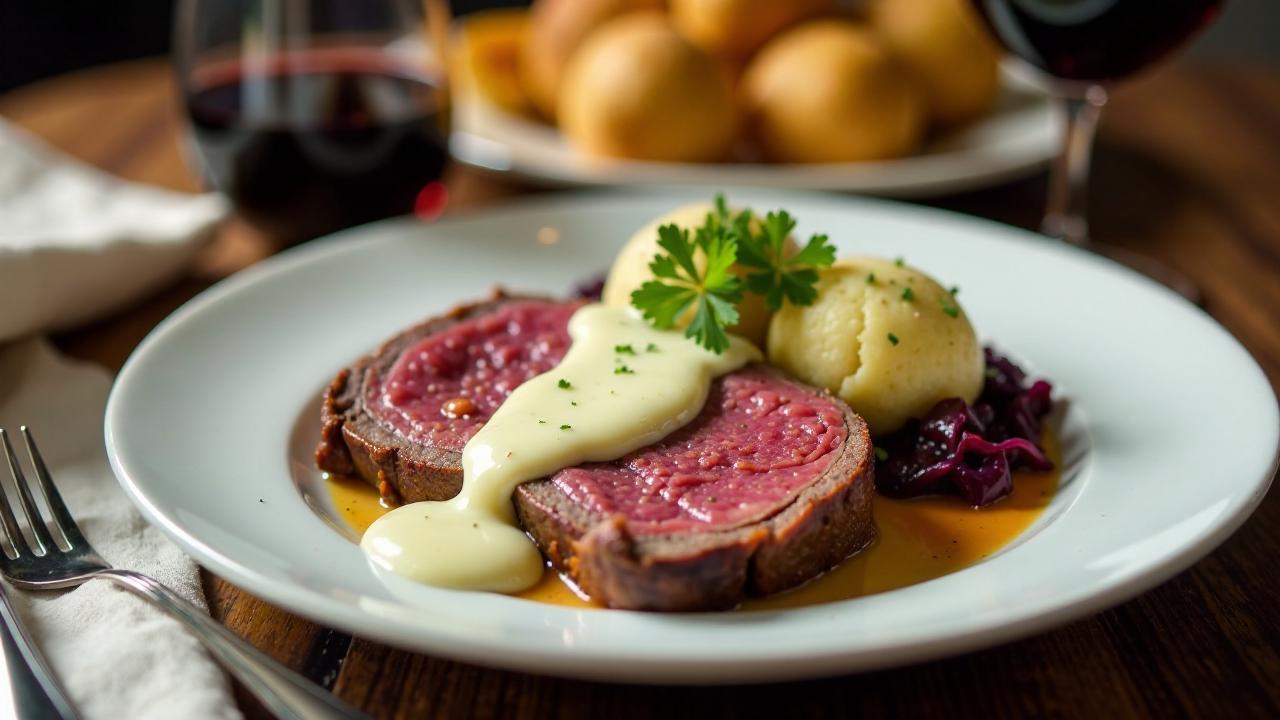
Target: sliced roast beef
column 769, row 486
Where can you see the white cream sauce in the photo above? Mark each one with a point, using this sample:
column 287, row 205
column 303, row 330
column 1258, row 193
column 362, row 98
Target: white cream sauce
column 622, row 385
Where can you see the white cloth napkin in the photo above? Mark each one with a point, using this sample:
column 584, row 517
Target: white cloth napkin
column 117, row 656
column 77, row 243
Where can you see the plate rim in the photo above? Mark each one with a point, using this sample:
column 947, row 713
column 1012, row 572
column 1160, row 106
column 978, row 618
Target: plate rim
column 937, row 172
column 336, row 614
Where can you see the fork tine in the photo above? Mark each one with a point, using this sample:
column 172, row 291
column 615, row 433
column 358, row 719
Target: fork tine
column 12, row 533
column 39, row 530
column 62, row 517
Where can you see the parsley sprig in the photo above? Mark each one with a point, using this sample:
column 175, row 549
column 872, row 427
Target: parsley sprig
column 679, row 285
column 776, row 276
column 724, row 239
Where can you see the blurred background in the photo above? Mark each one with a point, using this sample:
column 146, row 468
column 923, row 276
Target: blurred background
column 86, row 32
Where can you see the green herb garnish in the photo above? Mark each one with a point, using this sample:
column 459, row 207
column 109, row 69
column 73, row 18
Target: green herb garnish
column 624, row 349
column 954, row 290
column 893, row 339
column 899, row 261
column 871, row 278
column 908, row 294
column 793, row 279
column 651, row 347
column 542, row 422
column 623, row 370
column 951, row 310
column 722, row 240
column 679, row 285
column 881, row 454
column 566, row 427
column 573, row 403
column 564, row 384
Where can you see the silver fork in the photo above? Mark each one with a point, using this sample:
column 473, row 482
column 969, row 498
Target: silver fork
column 49, row 565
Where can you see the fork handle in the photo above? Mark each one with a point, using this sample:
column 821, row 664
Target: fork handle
column 286, row 694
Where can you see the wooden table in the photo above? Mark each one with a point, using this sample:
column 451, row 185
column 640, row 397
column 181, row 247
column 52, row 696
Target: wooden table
column 1188, row 171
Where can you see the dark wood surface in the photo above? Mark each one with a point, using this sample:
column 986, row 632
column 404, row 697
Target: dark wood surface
column 1188, row 171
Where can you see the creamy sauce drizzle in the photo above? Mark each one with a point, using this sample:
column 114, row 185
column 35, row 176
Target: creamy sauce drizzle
column 919, row 540
column 623, row 385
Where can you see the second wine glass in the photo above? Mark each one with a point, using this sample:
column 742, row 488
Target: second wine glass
column 1080, row 47
column 314, row 115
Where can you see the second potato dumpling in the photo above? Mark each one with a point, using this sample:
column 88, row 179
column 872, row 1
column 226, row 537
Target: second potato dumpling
column 637, row 89
column 555, row 31
column 830, row 91
column 734, row 29
column 887, row 339
column 947, row 51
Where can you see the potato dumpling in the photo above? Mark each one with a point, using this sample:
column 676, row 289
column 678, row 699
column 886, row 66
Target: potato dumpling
column 945, row 47
column 486, row 52
column 887, row 339
column 830, row 91
column 556, row 29
column 735, row 29
column 636, row 89
column 630, row 270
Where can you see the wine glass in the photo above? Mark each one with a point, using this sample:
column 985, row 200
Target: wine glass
column 1080, row 47
column 315, row 115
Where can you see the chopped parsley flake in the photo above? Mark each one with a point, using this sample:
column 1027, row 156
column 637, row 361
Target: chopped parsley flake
column 542, row 422
column 951, row 310
column 623, row 370
column 893, row 339
column 908, row 294
column 871, row 278
column 954, row 290
column 651, row 347
column 573, row 403
column 899, row 261
column 564, row 384
column 624, row 349
column 881, row 454
column 566, row 427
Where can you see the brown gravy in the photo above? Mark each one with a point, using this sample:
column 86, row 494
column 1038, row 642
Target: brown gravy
column 919, row 540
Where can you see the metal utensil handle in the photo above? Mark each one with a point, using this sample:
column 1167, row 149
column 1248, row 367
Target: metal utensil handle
column 286, row 694
column 31, row 686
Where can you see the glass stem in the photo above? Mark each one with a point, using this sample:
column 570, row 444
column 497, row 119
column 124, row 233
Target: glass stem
column 1064, row 216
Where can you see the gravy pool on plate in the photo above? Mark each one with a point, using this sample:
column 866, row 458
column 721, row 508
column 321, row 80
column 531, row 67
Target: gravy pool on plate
column 919, row 540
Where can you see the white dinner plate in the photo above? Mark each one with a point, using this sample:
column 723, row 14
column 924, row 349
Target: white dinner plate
column 1170, row 432
column 1016, row 139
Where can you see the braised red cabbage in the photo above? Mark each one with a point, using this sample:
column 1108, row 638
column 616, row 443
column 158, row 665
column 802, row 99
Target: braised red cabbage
column 970, row 450
column 589, row 289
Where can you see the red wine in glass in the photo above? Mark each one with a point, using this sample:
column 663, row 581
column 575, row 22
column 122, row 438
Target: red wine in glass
column 1094, row 40
column 313, row 141
column 1080, row 46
